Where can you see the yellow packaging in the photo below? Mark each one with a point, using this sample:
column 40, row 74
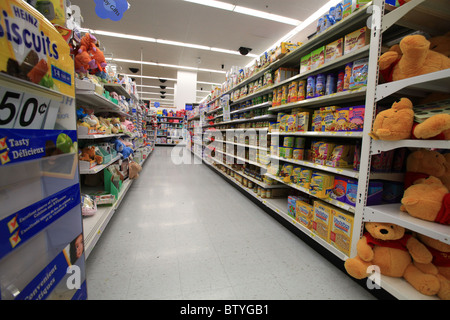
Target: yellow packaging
column 302, row 121
column 321, row 220
column 341, row 230
column 33, row 49
column 53, row 10
column 295, row 174
column 323, row 152
column 304, row 214
column 356, row 40
column 305, row 178
column 284, row 123
column 321, row 184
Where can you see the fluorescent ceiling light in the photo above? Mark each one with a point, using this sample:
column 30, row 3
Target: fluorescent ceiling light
column 165, row 65
column 247, row 11
column 162, row 41
column 215, row 4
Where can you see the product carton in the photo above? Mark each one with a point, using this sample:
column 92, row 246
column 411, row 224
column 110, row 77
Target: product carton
column 321, row 220
column 305, row 63
column 334, row 50
column 341, row 230
column 356, row 40
column 304, row 214
column 318, row 58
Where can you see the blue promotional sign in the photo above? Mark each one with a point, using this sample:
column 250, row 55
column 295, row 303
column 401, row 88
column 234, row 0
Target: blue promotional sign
column 17, row 145
column 111, row 9
column 21, row 226
column 156, row 104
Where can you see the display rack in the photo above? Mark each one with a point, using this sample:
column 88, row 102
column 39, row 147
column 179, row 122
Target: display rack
column 169, row 133
column 143, row 144
column 206, row 123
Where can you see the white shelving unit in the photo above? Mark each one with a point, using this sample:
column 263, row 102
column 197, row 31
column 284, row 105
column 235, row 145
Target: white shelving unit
column 428, row 15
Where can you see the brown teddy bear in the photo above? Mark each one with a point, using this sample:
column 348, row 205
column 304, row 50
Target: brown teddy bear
column 133, row 170
column 441, row 44
column 412, row 57
column 397, row 123
column 387, row 246
column 427, row 199
column 423, row 163
column 446, row 177
column 88, row 154
column 394, row 123
column 439, row 266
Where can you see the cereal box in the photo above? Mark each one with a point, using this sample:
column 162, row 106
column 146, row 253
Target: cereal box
column 351, row 192
column 291, row 123
column 292, row 204
column 305, row 63
column 334, row 50
column 317, row 58
column 321, row 184
column 356, row 40
column 342, row 119
column 358, row 77
column 341, row 230
column 348, row 8
column 296, row 174
column 303, row 121
column 304, row 214
column 339, row 188
column 305, row 178
column 321, row 220
column 356, row 118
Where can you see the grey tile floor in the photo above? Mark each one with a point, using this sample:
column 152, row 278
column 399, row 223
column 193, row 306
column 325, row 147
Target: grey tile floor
column 182, row 232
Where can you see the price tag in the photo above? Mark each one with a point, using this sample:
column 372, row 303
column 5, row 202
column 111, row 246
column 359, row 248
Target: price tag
column 24, row 111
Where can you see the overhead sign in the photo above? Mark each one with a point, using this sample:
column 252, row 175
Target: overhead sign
column 156, row 104
column 111, row 9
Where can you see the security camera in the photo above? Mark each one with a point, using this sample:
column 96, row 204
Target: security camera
column 134, row 70
column 244, row 51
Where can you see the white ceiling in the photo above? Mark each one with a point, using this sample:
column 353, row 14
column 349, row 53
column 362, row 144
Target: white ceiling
column 182, row 21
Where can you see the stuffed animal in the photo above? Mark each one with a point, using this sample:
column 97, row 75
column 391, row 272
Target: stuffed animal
column 88, row 154
column 397, row 123
column 100, row 62
column 441, row 44
column 122, row 149
column 415, row 58
column 87, row 43
column 423, row 163
column 427, row 199
column 394, row 123
column 83, row 62
column 116, row 125
column 133, row 170
column 439, row 266
column 387, row 246
column 445, row 178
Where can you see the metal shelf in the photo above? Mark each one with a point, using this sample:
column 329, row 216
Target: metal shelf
column 390, row 213
column 381, row 145
column 321, row 134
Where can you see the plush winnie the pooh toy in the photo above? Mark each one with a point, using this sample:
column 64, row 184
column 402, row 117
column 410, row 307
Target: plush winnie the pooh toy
column 446, row 177
column 412, row 57
column 439, row 266
column 394, row 123
column 423, row 163
column 397, row 123
column 387, row 246
column 427, row 199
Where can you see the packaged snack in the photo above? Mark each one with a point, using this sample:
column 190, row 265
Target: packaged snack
column 356, row 118
column 317, row 121
column 321, row 220
column 281, row 152
column 339, row 189
column 357, row 156
column 342, row 156
column 288, row 142
column 304, row 213
column 279, row 96
column 299, row 142
column 305, row 63
column 280, row 116
column 301, row 92
column 303, row 121
column 334, row 50
column 330, row 86
column 356, row 40
column 296, row 175
column 273, row 169
column 342, row 117
column 317, row 58
column 292, row 205
column 329, row 120
column 348, row 8
column 359, row 73
column 320, row 85
column 284, row 94
column 288, row 153
column 283, row 126
column 321, row 184
column 361, row 3
column 328, row 21
column 341, row 230
column 347, row 75
column 319, row 25
column 298, row 153
column 374, row 193
column 338, row 11
column 293, row 91
column 291, row 124
column 340, row 81
column 286, row 172
column 323, row 153
column 310, row 87
column 305, row 178
column 351, row 192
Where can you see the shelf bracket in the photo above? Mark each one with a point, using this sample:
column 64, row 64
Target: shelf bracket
column 392, row 17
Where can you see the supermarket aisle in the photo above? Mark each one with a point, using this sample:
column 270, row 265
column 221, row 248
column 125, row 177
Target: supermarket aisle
column 182, row 232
